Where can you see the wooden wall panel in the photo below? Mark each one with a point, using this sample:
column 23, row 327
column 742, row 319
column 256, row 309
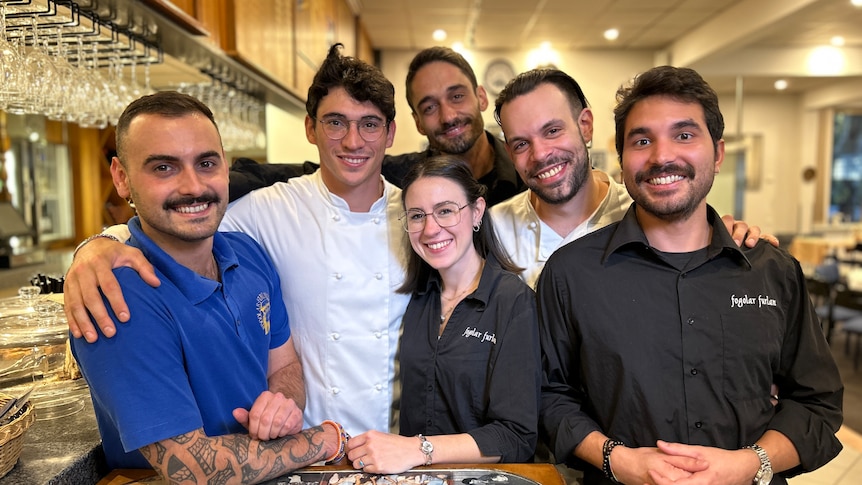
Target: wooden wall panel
column 90, row 179
column 263, row 32
column 315, row 33
column 187, row 6
column 364, row 49
column 217, row 16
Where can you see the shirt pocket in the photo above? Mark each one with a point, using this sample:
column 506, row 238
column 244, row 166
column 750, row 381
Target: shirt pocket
column 751, row 340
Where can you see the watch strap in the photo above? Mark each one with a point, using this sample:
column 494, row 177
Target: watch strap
column 427, row 448
column 765, row 464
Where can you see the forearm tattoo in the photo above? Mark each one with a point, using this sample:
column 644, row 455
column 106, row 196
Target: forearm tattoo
column 237, row 458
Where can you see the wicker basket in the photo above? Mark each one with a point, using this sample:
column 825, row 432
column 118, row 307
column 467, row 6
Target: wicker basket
column 12, row 435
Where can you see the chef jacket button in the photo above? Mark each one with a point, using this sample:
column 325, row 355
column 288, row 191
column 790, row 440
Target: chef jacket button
column 378, row 334
column 336, row 218
column 698, row 425
column 378, row 276
column 336, row 336
column 335, row 390
column 338, row 276
column 694, row 372
column 376, row 220
column 690, row 320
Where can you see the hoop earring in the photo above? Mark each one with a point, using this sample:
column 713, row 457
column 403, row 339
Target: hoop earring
column 132, row 204
column 477, row 226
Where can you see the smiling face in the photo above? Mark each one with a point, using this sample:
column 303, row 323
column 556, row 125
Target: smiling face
column 351, row 163
column 547, row 142
column 446, row 107
column 669, row 160
column 443, row 248
column 175, row 172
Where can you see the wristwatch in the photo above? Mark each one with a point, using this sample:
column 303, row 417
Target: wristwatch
column 427, row 447
column 764, row 475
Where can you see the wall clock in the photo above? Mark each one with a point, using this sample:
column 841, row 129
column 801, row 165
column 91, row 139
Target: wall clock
column 498, row 73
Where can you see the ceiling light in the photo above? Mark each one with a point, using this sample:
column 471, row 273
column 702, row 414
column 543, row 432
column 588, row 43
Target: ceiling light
column 857, row 3
column 837, row 41
column 612, row 34
column 781, row 84
column 439, row 35
column 458, row 47
column 826, row 61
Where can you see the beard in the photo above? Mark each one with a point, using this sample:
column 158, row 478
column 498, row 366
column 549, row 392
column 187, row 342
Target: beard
column 674, row 207
column 577, row 175
column 461, row 144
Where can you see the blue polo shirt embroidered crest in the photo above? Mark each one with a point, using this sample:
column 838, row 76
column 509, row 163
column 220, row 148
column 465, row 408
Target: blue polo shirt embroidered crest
column 194, row 349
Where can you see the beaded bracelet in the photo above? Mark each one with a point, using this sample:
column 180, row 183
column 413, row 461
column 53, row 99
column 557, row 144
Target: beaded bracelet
column 342, row 440
column 607, row 448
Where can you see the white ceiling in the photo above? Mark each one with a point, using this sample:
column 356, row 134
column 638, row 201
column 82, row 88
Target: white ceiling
column 760, row 40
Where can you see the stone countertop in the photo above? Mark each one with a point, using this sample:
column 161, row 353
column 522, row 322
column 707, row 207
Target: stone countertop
column 60, row 451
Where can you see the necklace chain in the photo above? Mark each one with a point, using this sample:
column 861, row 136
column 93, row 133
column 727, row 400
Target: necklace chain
column 444, row 315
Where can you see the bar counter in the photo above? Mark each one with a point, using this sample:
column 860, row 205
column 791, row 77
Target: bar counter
column 67, row 450
column 58, row 451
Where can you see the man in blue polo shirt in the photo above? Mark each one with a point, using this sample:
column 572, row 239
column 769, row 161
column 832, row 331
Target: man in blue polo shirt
column 195, row 385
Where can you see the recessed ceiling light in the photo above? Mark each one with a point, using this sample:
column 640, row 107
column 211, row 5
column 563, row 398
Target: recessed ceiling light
column 612, row 34
column 439, row 35
column 857, row 3
column 781, row 84
column 837, row 41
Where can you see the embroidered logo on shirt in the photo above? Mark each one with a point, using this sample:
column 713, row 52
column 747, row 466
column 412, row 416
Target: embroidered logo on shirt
column 745, row 300
column 263, row 311
column 472, row 332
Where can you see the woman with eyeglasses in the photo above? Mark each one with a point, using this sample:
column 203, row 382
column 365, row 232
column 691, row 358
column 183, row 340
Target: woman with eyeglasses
column 469, row 356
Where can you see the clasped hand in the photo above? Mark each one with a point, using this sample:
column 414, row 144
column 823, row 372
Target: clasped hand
column 681, row 464
column 271, row 416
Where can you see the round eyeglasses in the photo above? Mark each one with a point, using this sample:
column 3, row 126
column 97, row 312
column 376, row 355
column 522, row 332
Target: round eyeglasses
column 370, row 129
column 446, row 215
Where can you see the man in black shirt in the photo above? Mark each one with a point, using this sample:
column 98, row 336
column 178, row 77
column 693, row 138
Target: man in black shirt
column 661, row 337
column 447, row 103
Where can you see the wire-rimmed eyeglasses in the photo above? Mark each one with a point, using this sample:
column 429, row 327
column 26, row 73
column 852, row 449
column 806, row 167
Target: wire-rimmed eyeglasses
column 446, row 214
column 369, row 129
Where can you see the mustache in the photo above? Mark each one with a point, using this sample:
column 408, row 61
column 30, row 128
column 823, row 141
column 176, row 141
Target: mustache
column 664, row 170
column 454, row 124
column 208, row 198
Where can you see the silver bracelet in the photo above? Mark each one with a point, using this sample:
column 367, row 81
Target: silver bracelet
column 95, row 236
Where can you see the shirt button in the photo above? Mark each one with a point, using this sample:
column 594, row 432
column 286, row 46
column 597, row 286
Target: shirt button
column 335, row 390
column 338, row 276
column 378, row 276
column 690, row 320
column 378, row 387
column 376, row 220
column 336, row 218
column 336, row 336
column 694, row 372
column 531, row 225
column 378, row 334
column 698, row 425
column 430, row 388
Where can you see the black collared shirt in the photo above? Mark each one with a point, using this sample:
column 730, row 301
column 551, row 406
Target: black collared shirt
column 641, row 350
column 482, row 376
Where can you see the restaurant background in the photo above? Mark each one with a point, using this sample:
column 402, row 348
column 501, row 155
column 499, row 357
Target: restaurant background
column 781, row 144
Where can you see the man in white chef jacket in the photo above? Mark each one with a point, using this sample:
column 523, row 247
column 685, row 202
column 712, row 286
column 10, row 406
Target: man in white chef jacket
column 336, row 242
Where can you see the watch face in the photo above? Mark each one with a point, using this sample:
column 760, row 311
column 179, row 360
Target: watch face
column 427, row 447
column 766, row 477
